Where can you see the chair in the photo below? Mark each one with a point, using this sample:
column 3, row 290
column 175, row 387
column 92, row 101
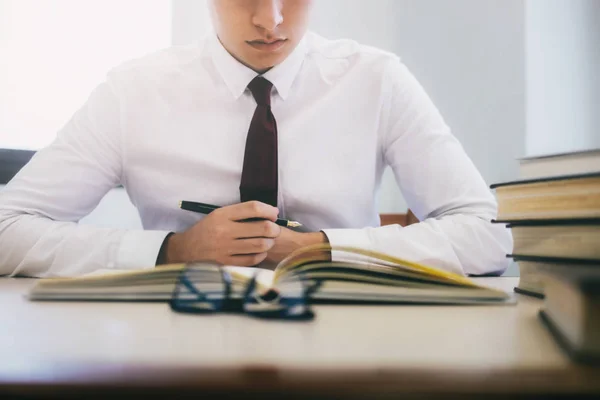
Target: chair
column 401, row 219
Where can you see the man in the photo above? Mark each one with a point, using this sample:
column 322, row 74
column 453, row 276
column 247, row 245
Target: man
column 263, row 119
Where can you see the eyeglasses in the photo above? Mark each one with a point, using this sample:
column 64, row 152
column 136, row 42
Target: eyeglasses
column 204, row 288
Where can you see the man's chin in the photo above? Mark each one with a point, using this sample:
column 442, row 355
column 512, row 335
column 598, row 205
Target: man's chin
column 264, row 64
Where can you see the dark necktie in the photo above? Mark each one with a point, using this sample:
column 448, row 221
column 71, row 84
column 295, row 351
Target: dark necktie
column 259, row 174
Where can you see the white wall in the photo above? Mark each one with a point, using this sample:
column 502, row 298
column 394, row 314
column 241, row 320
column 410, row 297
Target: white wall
column 114, row 211
column 469, row 56
column 563, row 75
column 47, row 50
column 190, row 21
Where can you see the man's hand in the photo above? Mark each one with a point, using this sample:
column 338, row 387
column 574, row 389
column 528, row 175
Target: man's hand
column 222, row 238
column 289, row 241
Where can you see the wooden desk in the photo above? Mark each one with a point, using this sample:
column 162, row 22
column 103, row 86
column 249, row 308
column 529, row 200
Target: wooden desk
column 98, row 349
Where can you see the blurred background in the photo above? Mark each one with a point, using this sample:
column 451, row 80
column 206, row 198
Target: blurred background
column 512, row 78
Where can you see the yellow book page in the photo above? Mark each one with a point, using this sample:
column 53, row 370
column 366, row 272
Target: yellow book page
column 243, row 274
column 104, row 274
column 316, row 252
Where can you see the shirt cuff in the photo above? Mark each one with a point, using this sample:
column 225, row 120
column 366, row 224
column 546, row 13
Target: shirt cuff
column 348, row 238
column 139, row 249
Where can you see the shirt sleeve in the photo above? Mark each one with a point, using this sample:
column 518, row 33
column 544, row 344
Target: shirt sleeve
column 41, row 206
column 441, row 186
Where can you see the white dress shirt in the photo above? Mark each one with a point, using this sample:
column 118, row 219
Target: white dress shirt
column 172, row 126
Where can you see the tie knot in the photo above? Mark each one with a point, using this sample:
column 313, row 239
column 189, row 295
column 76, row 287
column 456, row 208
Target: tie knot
column 261, row 90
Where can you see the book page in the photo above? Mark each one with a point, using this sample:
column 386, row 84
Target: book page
column 105, row 272
column 264, row 278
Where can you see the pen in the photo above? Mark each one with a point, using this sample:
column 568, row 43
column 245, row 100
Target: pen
column 208, row 208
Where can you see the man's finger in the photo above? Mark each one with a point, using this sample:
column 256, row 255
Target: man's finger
column 251, row 246
column 252, row 209
column 256, row 229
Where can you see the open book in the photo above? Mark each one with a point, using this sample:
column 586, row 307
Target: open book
column 362, row 276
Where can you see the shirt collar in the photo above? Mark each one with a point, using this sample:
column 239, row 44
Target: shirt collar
column 237, row 76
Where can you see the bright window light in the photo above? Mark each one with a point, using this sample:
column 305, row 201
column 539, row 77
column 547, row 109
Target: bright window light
column 54, row 53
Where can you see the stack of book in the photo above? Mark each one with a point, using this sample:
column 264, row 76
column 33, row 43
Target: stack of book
column 554, row 214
